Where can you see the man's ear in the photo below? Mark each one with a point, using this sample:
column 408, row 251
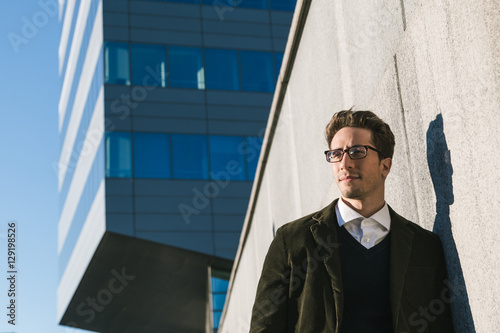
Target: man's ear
column 386, row 165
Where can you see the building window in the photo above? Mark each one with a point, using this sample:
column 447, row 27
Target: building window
column 222, row 69
column 118, row 155
column 257, row 72
column 258, row 4
column 253, row 146
column 184, row 1
column 149, row 65
column 116, row 63
column 181, row 156
column 219, row 282
column 190, row 157
column 227, row 157
column 151, row 155
column 278, row 60
column 288, row 5
column 186, row 67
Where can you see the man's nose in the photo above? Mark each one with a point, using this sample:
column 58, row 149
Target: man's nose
column 346, row 162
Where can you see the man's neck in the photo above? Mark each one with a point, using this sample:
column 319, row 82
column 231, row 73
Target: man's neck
column 365, row 208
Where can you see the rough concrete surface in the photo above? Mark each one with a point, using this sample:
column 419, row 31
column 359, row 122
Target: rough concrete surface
column 431, row 69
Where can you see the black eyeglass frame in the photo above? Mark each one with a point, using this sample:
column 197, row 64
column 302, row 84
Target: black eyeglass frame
column 348, row 154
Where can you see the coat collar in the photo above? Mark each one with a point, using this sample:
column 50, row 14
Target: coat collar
column 324, row 232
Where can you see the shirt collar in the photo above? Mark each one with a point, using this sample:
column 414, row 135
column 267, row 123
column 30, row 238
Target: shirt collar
column 347, row 214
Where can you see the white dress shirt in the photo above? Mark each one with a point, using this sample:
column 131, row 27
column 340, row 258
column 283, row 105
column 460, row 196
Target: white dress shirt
column 368, row 231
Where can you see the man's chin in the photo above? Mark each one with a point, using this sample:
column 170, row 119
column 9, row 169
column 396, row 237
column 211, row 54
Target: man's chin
column 352, row 194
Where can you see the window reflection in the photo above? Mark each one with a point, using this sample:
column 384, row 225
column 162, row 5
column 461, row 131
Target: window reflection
column 218, row 287
column 186, row 67
column 227, row 157
column 151, row 155
column 181, row 156
column 257, row 4
column 253, row 146
column 118, row 155
column 288, row 5
column 222, row 69
column 116, row 63
column 190, row 157
column 257, row 72
column 148, row 65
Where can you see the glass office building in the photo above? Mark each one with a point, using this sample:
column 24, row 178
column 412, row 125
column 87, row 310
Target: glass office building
column 161, row 116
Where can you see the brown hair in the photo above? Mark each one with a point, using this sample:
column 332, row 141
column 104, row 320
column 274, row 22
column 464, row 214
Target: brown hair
column 382, row 136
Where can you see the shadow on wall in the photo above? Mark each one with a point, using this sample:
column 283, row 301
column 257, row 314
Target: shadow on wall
column 441, row 170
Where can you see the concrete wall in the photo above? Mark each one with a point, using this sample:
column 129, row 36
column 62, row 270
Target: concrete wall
column 431, row 69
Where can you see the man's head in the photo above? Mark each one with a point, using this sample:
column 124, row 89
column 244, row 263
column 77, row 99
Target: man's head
column 382, row 137
column 360, row 173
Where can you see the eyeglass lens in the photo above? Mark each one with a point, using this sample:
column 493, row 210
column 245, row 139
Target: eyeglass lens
column 354, row 153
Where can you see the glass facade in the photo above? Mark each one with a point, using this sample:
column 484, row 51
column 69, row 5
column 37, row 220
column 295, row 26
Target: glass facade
column 181, row 156
column 219, row 282
column 278, row 60
column 257, row 73
column 222, row 69
column 190, row 156
column 118, row 155
column 151, row 155
column 227, row 157
column 183, row 1
column 252, row 152
column 288, row 5
column 116, row 63
column 285, row 5
column 148, row 61
column 186, row 67
column 140, row 69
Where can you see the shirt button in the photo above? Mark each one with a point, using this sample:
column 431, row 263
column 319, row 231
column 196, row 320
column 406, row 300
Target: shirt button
column 367, row 240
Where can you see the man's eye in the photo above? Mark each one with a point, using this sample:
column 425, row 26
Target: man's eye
column 357, row 152
column 336, row 154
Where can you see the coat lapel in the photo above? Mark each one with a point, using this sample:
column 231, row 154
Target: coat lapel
column 401, row 244
column 325, row 234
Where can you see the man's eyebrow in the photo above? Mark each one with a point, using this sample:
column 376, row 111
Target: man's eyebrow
column 356, row 145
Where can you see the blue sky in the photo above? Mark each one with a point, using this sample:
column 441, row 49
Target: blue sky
column 29, row 143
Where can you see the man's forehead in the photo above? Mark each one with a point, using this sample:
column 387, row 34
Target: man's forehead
column 352, row 136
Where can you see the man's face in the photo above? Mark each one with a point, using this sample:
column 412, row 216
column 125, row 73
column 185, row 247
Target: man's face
column 359, row 179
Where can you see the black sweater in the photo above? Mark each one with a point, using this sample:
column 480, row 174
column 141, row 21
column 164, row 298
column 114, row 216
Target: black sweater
column 365, row 279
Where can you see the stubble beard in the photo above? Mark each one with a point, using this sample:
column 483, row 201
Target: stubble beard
column 353, row 193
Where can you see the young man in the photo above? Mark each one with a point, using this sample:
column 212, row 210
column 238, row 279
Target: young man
column 355, row 265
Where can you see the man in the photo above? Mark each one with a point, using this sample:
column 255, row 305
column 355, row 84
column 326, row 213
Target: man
column 355, row 265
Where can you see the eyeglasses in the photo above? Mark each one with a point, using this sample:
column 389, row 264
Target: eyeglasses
column 355, row 153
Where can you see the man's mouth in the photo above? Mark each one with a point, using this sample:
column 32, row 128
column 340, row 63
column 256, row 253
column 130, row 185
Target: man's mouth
column 348, row 178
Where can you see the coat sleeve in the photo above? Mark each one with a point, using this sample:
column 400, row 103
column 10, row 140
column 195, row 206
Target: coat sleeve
column 269, row 312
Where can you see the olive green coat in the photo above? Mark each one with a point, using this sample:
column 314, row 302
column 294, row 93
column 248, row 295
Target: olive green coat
column 300, row 289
